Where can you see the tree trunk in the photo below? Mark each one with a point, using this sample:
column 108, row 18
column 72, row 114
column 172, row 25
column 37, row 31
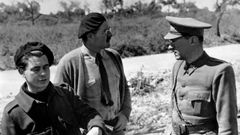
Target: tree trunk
column 218, row 33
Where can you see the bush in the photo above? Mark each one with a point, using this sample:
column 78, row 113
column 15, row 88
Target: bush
column 130, row 50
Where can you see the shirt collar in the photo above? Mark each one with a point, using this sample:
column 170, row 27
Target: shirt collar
column 25, row 101
column 197, row 63
column 87, row 52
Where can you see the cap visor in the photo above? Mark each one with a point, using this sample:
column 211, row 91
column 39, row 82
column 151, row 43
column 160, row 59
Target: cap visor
column 171, row 36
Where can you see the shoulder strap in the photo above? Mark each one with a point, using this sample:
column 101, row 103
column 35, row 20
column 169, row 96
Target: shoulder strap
column 11, row 105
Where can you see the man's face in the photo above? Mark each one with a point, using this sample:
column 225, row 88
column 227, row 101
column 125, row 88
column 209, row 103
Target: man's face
column 37, row 73
column 180, row 47
column 102, row 38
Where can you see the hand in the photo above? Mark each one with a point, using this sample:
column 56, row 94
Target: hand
column 122, row 122
column 95, row 131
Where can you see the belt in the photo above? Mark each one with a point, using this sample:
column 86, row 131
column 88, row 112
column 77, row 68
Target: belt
column 183, row 129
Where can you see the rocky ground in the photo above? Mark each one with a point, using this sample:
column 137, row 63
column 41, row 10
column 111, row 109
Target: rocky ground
column 149, row 80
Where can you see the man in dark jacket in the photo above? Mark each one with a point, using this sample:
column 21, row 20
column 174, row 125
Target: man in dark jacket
column 40, row 107
column 96, row 73
column 204, row 90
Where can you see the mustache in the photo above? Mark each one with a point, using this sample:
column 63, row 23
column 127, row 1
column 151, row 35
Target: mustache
column 109, row 37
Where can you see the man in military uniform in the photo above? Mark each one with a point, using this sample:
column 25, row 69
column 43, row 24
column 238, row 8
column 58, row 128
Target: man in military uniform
column 204, row 91
column 41, row 108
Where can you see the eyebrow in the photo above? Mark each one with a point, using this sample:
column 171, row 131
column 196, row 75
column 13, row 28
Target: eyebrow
column 42, row 66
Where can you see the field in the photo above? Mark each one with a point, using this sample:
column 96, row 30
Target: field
column 149, row 81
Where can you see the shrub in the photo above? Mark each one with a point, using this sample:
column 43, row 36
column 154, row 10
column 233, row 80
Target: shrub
column 130, row 50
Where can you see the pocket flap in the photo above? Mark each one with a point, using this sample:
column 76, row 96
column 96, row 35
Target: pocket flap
column 200, row 95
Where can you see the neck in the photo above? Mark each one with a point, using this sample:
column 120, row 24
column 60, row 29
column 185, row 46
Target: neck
column 35, row 90
column 195, row 55
column 90, row 50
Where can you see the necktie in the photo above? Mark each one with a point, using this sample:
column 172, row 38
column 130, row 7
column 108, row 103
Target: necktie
column 106, row 98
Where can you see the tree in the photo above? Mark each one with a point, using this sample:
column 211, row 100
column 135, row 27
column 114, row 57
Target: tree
column 30, row 10
column 153, row 7
column 112, row 4
column 69, row 10
column 221, row 9
column 169, row 3
column 9, row 13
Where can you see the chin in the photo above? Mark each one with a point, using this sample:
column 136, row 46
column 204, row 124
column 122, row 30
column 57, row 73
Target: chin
column 107, row 45
column 178, row 58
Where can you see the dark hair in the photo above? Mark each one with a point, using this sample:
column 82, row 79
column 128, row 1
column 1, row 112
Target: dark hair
column 84, row 36
column 200, row 38
column 23, row 61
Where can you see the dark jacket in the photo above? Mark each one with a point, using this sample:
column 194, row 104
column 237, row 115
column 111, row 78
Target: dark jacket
column 206, row 94
column 62, row 114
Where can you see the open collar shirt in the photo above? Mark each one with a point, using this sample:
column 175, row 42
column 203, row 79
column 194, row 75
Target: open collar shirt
column 93, row 84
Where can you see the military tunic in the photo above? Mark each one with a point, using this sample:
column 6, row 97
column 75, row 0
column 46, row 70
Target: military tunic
column 62, row 114
column 205, row 94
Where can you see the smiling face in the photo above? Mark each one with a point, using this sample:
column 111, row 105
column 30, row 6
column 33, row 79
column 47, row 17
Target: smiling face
column 37, row 73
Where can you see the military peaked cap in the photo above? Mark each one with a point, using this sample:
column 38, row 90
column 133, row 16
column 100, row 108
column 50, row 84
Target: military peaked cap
column 185, row 26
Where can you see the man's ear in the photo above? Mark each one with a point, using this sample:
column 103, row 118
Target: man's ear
column 20, row 70
column 193, row 40
column 90, row 35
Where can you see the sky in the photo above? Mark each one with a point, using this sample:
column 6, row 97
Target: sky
column 53, row 6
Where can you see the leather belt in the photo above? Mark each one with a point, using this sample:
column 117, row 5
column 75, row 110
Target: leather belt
column 183, row 129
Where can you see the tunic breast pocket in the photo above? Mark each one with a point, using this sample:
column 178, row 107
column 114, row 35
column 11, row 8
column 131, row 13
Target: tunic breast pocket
column 200, row 101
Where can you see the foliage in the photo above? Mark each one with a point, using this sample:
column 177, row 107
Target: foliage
column 70, row 11
column 221, row 8
column 142, row 84
column 30, row 10
column 137, row 30
column 150, row 93
column 26, row 10
column 130, row 50
column 112, row 5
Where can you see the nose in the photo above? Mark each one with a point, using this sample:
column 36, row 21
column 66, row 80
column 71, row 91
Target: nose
column 43, row 72
column 109, row 33
column 170, row 47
